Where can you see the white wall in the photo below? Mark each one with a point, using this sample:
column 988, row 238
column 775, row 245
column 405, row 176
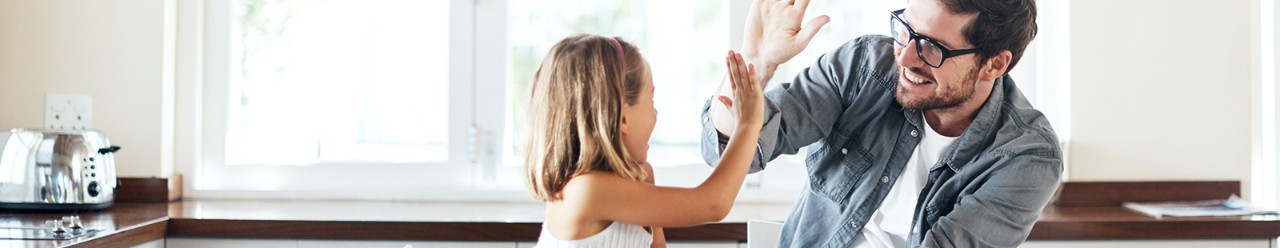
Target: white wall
column 1160, row 90
column 115, row 51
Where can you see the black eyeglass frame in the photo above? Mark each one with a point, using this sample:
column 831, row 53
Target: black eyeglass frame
column 895, row 16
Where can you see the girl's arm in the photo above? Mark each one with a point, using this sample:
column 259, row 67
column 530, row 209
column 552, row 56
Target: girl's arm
column 659, row 239
column 601, row 196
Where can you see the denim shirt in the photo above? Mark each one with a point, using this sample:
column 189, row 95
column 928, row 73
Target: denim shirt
column 986, row 190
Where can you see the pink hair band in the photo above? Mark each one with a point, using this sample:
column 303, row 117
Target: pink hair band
column 622, row 55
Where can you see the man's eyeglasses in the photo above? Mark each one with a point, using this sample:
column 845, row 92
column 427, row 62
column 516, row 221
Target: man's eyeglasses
column 929, row 50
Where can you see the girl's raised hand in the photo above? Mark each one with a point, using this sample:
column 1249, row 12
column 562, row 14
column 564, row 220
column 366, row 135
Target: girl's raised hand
column 747, row 103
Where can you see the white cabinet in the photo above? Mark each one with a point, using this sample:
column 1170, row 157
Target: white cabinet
column 228, row 243
column 1191, row 243
column 1254, row 243
column 315, row 243
column 312, row 243
column 159, row 243
column 720, row 244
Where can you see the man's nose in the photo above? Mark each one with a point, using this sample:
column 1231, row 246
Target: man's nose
column 910, row 57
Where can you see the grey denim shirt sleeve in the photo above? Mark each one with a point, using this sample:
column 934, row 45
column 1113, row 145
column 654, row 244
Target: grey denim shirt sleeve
column 796, row 114
column 1002, row 211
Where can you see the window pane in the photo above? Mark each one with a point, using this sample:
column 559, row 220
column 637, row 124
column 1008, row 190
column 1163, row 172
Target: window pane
column 849, row 19
column 683, row 41
column 338, row 81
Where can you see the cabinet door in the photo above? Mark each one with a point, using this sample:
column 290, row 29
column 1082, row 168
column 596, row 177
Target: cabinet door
column 229, row 243
column 681, row 244
column 689, row 244
column 311, row 243
column 159, row 243
column 1251, row 243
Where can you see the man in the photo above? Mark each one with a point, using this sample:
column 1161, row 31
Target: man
column 920, row 139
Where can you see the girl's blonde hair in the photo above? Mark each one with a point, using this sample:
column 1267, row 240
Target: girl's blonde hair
column 575, row 112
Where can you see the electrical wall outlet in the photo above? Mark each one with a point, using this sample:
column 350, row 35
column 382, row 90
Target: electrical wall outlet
column 68, row 112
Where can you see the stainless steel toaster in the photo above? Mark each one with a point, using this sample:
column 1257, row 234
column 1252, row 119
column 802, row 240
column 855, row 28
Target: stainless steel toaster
column 56, row 170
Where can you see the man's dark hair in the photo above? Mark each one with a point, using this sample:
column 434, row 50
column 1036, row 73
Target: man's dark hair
column 1000, row 25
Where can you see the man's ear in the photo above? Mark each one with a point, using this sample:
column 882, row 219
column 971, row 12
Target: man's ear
column 996, row 66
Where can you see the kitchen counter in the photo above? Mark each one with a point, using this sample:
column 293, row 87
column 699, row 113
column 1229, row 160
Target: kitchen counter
column 128, row 224
column 123, row 224
column 1092, row 211
column 1098, row 223
column 408, row 221
column 136, row 223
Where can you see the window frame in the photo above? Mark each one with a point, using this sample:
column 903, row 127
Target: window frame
column 212, row 178
column 1265, row 170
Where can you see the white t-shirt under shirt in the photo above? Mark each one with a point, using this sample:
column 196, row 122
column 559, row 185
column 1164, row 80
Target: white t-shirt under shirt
column 891, row 223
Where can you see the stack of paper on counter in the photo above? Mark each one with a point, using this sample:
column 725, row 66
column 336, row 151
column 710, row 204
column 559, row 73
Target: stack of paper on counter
column 1229, row 207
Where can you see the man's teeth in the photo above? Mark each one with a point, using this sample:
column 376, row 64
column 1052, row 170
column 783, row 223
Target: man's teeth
column 914, row 79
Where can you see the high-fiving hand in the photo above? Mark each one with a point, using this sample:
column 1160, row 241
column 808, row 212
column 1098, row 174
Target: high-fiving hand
column 747, row 104
column 773, row 33
column 773, row 36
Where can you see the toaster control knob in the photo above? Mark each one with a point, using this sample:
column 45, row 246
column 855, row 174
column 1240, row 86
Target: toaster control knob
column 58, row 229
column 73, row 223
column 94, row 189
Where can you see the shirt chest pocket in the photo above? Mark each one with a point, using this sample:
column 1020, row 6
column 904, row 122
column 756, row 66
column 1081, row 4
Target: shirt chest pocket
column 835, row 169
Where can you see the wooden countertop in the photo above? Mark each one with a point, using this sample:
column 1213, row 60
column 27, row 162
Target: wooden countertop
column 408, row 221
column 135, row 223
column 1091, row 210
column 1093, row 223
column 129, row 224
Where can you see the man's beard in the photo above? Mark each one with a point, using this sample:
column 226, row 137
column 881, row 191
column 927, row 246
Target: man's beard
column 941, row 100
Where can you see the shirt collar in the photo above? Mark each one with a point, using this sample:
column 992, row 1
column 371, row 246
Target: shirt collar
column 980, row 132
column 969, row 144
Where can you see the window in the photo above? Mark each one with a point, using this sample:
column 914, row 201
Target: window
column 334, row 98
column 422, row 99
column 338, row 81
column 684, row 48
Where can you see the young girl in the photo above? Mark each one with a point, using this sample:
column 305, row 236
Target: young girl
column 591, row 112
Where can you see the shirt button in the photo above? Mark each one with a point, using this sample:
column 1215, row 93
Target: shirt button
column 884, row 179
column 914, row 133
column 844, row 150
column 855, row 225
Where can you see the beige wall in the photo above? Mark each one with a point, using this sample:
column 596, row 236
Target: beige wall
column 114, row 51
column 1160, row 90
